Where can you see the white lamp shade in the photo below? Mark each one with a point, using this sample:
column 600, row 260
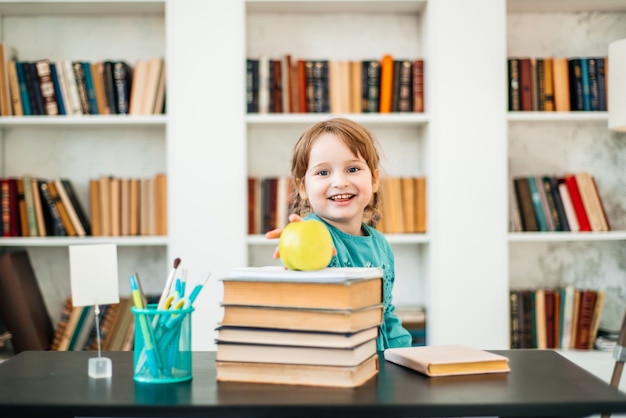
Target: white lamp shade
column 616, row 91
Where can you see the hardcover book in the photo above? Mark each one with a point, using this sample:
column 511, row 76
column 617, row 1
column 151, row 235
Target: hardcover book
column 298, row 374
column 448, row 360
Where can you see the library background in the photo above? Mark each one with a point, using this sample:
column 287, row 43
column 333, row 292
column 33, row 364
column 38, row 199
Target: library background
column 185, row 158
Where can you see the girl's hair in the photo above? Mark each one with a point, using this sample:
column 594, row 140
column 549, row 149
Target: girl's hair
column 359, row 140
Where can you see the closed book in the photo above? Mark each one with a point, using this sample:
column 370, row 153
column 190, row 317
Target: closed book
column 576, row 84
column 46, row 85
column 591, row 201
column 370, row 70
column 585, row 318
column 329, row 288
column 448, row 360
column 526, row 84
column 10, row 207
column 61, row 209
column 122, row 77
column 602, row 73
column 418, row 85
column 553, row 211
column 59, row 88
column 90, row 88
column 77, row 205
column 386, row 83
column 14, row 89
column 271, row 336
column 586, row 83
column 21, row 81
column 321, row 356
column 535, row 195
column 513, row 72
column 68, row 205
column 548, row 85
column 22, row 306
column 577, row 202
column 544, row 203
column 21, row 203
column 524, row 199
column 421, row 220
column 561, row 84
column 34, row 89
column 594, row 87
column 309, row 319
column 297, row 374
column 81, row 84
column 558, row 203
column 7, row 54
column 568, row 206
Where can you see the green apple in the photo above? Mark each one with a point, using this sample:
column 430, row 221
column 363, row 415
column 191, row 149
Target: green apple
column 305, row 245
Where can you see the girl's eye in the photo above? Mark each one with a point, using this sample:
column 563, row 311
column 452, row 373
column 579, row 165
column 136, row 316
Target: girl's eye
column 322, row 173
column 353, row 169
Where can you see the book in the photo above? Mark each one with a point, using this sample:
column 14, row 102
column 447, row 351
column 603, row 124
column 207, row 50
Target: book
column 74, row 106
column 90, row 88
column 309, row 319
column 10, row 207
column 122, row 77
column 271, row 336
column 81, row 84
column 386, row 83
column 525, row 203
column 7, row 54
column 577, row 202
column 418, row 85
column 568, row 206
column 38, row 208
column 329, row 288
column 448, row 360
column 62, row 210
column 71, row 211
column 14, row 89
column 585, row 317
column 21, row 203
column 297, row 374
column 575, row 82
column 77, row 205
column 321, row 356
column 561, row 84
column 46, row 85
column 22, row 306
column 513, row 73
column 59, row 87
column 537, row 202
column 591, row 201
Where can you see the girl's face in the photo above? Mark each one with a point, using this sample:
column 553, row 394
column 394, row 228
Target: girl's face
column 338, row 184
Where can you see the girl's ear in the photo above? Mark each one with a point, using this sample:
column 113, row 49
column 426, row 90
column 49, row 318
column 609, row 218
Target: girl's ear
column 301, row 189
column 375, row 180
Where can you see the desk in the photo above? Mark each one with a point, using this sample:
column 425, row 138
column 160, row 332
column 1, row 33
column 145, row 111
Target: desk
column 541, row 383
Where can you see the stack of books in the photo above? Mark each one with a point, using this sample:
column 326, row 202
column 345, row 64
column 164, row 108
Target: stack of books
column 315, row 328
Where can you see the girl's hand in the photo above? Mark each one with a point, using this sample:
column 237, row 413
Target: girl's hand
column 275, row 233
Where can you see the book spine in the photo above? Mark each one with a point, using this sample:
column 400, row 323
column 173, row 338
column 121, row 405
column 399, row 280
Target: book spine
column 58, row 228
column 79, row 74
column 514, row 84
column 535, row 194
column 90, row 88
column 418, row 85
column 58, row 83
column 21, row 81
column 123, row 79
column 46, row 85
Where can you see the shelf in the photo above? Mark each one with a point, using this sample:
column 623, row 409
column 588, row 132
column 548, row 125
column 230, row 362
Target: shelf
column 377, row 119
column 80, row 7
column 542, row 6
column 566, row 236
column 334, row 7
column 558, row 117
column 392, row 238
column 156, row 241
column 108, row 121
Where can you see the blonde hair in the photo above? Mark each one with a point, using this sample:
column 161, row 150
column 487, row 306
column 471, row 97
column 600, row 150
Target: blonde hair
column 358, row 139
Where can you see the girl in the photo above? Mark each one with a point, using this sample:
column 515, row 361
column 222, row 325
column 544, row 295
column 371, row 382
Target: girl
column 335, row 168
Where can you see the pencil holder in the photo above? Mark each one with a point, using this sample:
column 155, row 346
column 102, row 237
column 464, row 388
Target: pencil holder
column 162, row 349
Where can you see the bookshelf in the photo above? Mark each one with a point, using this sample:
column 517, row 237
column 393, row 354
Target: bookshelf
column 560, row 142
column 466, row 143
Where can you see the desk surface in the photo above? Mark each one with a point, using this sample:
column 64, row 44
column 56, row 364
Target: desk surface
column 541, row 383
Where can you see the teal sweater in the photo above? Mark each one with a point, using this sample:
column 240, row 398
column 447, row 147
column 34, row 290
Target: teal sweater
column 371, row 250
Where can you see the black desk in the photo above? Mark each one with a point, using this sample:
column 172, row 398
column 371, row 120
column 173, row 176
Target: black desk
column 541, row 383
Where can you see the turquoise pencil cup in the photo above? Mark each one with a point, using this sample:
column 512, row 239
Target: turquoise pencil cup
column 162, row 348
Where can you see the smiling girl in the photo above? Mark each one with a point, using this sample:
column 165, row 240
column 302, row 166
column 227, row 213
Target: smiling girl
column 335, row 168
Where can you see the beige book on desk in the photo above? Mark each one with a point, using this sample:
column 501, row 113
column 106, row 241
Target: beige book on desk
column 448, row 360
column 297, row 374
column 321, row 356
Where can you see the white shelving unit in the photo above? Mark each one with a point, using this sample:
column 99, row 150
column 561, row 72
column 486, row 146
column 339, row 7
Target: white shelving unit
column 560, row 142
column 462, row 269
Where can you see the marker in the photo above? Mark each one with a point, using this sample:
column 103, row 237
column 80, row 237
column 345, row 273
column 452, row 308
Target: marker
column 197, row 288
column 145, row 330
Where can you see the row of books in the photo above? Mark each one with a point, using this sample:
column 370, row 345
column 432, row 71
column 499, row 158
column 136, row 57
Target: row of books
column 557, row 83
column 37, row 207
column 123, row 206
column 300, row 327
column 565, row 317
column 66, row 87
column 76, row 328
column 403, row 204
column 288, row 85
column 570, row 202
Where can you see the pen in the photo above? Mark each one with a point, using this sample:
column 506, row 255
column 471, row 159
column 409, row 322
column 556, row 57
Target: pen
column 145, row 328
column 197, row 288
